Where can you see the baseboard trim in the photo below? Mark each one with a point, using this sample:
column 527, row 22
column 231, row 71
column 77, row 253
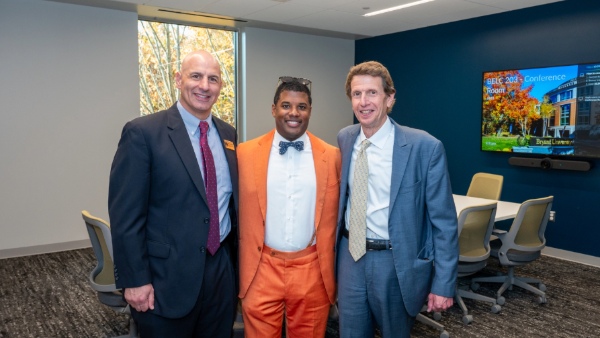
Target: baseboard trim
column 43, row 249
column 85, row 243
column 572, row 256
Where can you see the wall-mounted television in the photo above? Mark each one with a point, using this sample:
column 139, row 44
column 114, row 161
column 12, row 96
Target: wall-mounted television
column 550, row 111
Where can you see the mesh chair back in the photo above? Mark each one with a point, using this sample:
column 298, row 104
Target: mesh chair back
column 531, row 231
column 99, row 232
column 475, row 226
column 484, row 185
column 106, row 276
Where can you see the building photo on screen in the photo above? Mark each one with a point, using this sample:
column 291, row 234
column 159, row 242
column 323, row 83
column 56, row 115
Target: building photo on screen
column 551, row 111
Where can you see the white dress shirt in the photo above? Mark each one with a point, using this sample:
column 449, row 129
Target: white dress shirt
column 291, row 197
column 379, row 155
column 224, row 187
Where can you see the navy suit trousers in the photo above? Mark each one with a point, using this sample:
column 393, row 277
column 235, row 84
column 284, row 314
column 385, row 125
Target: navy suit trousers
column 214, row 312
column 369, row 296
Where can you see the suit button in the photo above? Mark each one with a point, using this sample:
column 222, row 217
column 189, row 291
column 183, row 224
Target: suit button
column 206, row 220
column 259, row 248
column 202, row 249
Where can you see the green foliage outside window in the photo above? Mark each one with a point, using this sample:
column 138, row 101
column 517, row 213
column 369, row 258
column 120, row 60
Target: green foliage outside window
column 162, row 46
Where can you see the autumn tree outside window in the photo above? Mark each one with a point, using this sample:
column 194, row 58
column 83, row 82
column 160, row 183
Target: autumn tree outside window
column 162, row 46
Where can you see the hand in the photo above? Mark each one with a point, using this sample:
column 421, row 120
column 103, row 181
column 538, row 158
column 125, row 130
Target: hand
column 140, row 298
column 437, row 303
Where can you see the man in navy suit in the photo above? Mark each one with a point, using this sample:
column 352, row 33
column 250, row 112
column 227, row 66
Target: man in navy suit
column 160, row 214
column 409, row 213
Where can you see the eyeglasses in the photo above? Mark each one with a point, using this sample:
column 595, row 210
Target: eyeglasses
column 301, row 80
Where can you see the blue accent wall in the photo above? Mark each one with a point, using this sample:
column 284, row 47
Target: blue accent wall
column 437, row 73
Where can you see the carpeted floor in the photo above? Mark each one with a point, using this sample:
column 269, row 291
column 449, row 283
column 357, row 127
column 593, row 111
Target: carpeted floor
column 49, row 296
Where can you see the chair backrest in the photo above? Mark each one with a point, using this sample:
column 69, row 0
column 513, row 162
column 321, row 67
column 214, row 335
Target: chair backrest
column 475, row 225
column 528, row 228
column 524, row 241
column 484, row 185
column 102, row 278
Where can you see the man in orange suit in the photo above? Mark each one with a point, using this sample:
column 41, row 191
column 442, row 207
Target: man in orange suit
column 289, row 193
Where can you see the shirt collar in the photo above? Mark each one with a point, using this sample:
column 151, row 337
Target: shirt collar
column 380, row 137
column 192, row 122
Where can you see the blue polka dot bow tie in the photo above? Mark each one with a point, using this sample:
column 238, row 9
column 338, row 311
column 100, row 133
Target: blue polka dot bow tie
column 283, row 146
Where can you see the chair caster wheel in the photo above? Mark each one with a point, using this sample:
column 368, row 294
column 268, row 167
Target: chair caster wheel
column 474, row 286
column 542, row 287
column 500, row 300
column 444, row 334
column 437, row 316
column 467, row 319
column 542, row 300
column 496, row 308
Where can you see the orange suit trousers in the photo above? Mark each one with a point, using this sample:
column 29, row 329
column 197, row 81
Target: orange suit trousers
column 287, row 283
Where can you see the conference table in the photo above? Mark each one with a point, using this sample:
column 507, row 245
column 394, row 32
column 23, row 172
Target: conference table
column 504, row 210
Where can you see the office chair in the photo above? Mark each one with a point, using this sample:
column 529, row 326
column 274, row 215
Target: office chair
column 421, row 317
column 475, row 225
column 520, row 245
column 484, row 185
column 102, row 277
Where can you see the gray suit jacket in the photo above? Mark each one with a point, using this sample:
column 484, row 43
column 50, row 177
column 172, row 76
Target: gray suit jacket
column 422, row 217
column 159, row 212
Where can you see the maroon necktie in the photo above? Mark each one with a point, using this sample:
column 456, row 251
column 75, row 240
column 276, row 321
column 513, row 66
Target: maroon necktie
column 210, row 182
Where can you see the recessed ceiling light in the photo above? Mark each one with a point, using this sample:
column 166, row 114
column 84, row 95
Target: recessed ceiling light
column 398, row 7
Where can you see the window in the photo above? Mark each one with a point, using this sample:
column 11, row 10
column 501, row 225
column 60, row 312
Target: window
column 565, row 114
column 583, row 113
column 587, row 91
column 583, row 119
column 162, row 46
column 566, row 95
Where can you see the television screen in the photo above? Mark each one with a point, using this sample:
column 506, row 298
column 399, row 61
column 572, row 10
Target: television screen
column 552, row 111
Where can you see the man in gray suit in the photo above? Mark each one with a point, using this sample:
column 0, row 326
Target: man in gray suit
column 397, row 217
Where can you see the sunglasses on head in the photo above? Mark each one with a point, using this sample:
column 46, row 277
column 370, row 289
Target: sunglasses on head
column 301, row 80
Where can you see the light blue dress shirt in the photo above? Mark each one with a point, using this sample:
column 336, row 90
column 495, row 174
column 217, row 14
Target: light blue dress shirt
column 224, row 187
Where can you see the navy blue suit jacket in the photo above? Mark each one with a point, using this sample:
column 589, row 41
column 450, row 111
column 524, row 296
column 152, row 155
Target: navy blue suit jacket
column 422, row 217
column 158, row 209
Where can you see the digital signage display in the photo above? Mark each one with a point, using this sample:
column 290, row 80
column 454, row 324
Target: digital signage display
column 551, row 111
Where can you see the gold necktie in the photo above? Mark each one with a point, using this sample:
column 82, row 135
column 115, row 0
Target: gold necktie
column 358, row 204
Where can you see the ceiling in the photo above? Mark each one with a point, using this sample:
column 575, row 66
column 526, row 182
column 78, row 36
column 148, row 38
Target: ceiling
column 336, row 18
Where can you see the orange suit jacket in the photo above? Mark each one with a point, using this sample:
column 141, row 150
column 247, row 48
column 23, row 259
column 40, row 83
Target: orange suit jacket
column 253, row 161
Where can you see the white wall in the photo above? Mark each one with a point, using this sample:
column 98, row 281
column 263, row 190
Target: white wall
column 325, row 61
column 69, row 82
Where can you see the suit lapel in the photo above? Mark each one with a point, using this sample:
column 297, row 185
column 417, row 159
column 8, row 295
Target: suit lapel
column 229, row 143
column 261, row 165
column 181, row 141
column 321, row 172
column 346, row 145
column 224, row 136
column 399, row 161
